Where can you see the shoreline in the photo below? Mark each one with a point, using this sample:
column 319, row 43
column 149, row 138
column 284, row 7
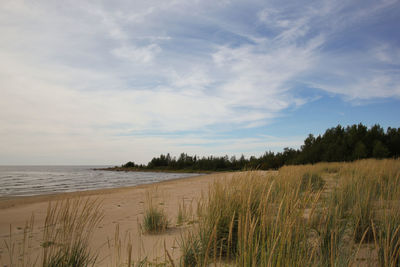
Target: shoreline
column 13, row 201
column 123, row 207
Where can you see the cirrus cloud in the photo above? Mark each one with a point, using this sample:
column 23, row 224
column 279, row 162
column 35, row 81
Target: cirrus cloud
column 97, row 72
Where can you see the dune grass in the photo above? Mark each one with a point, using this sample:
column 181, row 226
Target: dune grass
column 155, row 219
column 67, row 230
column 311, row 215
column 311, row 181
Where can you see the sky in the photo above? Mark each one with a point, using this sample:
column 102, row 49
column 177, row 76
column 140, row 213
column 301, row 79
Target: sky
column 106, row 82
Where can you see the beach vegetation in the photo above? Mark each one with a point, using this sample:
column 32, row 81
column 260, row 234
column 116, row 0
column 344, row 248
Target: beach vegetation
column 68, row 228
column 155, row 219
column 311, row 181
column 326, row 214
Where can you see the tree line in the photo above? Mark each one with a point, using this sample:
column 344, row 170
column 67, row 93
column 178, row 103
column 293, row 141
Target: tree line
column 336, row 144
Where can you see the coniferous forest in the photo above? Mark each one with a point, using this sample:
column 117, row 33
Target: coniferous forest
column 336, row 144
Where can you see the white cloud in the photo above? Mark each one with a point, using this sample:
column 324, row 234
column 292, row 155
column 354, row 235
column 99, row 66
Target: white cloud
column 386, row 53
column 197, row 79
column 260, row 74
column 377, row 85
column 96, row 76
column 144, row 54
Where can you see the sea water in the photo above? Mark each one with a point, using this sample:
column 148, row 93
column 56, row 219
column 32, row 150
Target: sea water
column 39, row 180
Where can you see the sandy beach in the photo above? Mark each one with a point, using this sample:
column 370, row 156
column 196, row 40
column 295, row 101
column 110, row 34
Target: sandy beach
column 123, row 207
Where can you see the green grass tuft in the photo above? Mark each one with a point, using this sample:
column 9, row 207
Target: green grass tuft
column 155, row 220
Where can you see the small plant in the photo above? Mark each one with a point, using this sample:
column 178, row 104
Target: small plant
column 154, row 220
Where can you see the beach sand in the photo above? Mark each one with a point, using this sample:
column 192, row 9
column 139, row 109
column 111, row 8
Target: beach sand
column 123, row 207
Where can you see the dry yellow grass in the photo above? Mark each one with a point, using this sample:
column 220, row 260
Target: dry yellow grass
column 344, row 214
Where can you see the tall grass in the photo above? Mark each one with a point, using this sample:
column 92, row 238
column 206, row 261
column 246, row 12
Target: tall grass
column 68, row 228
column 249, row 219
column 311, row 215
column 389, row 238
column 330, row 227
column 311, row 181
column 67, row 231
